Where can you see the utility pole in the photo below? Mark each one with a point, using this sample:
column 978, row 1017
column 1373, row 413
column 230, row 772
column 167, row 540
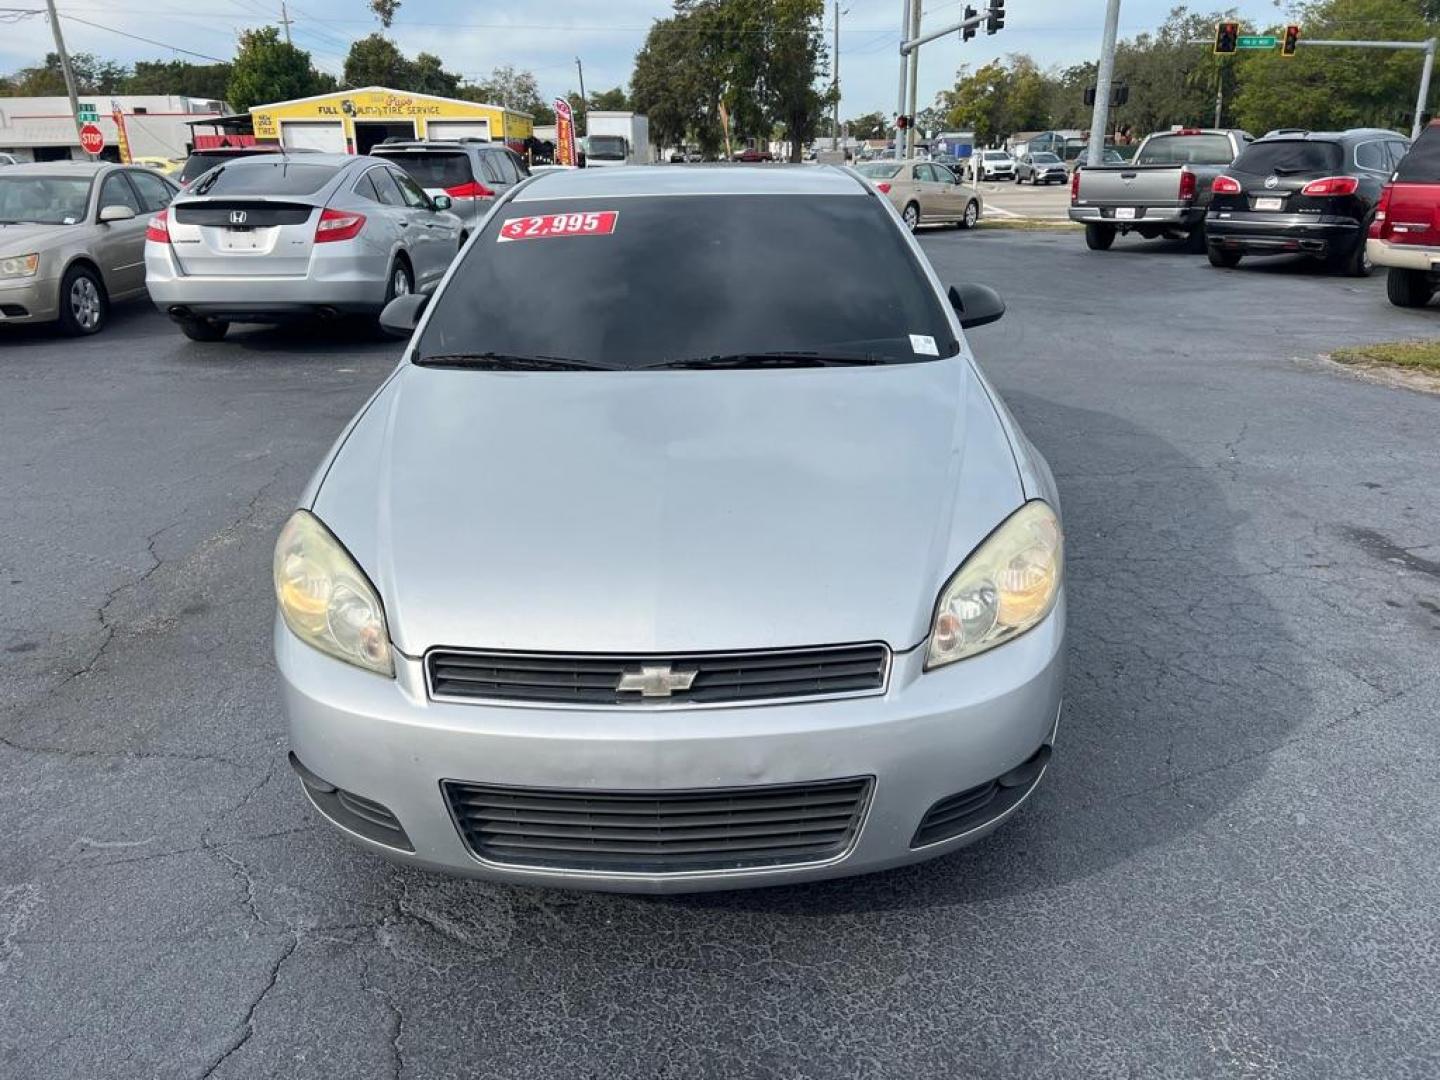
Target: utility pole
column 1100, row 118
column 914, row 77
column 66, row 69
column 835, row 85
column 285, row 21
column 584, row 101
column 905, row 60
column 1219, row 92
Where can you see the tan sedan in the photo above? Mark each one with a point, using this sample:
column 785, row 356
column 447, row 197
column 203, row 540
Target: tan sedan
column 72, row 239
column 924, row 192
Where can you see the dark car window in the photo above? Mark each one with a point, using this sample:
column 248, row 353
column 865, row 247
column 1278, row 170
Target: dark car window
column 385, row 187
column 1186, row 150
column 506, row 171
column 489, row 170
column 1372, row 156
column 154, row 192
column 688, row 277
column 116, row 191
column 1422, row 164
column 1398, row 150
column 365, row 186
column 433, row 169
column 266, row 175
column 412, row 195
column 1285, row 157
column 518, row 164
column 201, row 162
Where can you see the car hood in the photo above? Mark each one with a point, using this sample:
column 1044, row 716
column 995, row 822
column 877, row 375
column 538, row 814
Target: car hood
column 668, row 511
column 23, row 239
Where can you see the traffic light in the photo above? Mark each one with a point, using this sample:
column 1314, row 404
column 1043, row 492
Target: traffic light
column 902, row 122
column 1227, row 36
column 968, row 32
column 1290, row 41
column 996, row 21
column 1090, row 95
column 1119, row 95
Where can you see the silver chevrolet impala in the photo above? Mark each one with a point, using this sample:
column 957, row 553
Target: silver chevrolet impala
column 686, row 548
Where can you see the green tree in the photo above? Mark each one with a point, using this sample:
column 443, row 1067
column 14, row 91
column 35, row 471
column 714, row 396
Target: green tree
column 178, row 77
column 268, row 69
column 92, row 76
column 377, row 61
column 870, row 126
column 610, row 100
column 430, row 77
column 509, row 86
column 384, row 10
column 1336, row 88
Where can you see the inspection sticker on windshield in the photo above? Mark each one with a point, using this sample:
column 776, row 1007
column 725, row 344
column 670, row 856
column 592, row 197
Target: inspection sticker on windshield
column 924, row 345
column 593, row 223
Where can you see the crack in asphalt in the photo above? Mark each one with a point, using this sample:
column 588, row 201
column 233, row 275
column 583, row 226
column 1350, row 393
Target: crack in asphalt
column 248, row 1022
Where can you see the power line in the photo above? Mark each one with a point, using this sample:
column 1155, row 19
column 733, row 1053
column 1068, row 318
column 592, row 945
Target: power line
column 146, row 40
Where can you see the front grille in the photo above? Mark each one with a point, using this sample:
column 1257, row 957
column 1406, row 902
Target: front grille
column 656, row 832
column 719, row 678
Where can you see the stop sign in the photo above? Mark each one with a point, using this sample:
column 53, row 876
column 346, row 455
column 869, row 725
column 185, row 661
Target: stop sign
column 92, row 139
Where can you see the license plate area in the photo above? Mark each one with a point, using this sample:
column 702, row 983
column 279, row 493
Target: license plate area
column 1125, row 213
column 1270, row 202
column 241, row 240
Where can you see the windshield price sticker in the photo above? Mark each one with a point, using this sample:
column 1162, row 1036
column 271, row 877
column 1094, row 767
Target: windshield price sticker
column 593, row 223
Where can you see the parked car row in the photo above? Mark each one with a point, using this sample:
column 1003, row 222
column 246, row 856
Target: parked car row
column 1233, row 196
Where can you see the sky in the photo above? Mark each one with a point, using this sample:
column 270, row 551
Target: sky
column 545, row 36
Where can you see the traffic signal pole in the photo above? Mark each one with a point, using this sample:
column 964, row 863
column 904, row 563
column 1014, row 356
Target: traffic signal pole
column 66, row 70
column 910, row 42
column 1104, row 76
column 905, row 61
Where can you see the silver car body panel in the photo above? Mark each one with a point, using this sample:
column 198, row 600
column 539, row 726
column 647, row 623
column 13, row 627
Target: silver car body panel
column 232, row 267
column 840, row 501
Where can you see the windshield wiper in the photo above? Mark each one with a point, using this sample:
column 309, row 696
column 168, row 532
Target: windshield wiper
column 776, row 359
column 494, row 361
column 209, row 182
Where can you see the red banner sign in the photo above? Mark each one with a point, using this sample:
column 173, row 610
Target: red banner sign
column 591, row 223
column 565, row 152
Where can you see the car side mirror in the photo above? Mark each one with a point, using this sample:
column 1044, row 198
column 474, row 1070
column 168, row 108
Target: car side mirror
column 402, row 314
column 116, row 213
column 977, row 305
column 442, row 202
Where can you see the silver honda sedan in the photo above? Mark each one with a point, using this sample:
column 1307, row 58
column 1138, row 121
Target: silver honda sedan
column 735, row 572
column 274, row 236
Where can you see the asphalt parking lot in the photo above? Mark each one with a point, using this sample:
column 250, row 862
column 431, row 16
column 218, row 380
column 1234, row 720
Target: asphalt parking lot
column 1229, row 870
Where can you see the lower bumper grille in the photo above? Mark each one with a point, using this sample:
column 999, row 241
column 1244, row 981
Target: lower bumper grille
column 594, row 679
column 973, row 807
column 660, row 831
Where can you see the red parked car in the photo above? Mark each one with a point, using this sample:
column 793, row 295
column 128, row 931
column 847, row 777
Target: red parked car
column 751, row 155
column 1405, row 235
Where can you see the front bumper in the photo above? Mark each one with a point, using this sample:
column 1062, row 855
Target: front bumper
column 1403, row 256
column 29, row 300
column 1282, row 234
column 332, row 286
column 1183, row 216
column 930, row 736
column 1055, row 176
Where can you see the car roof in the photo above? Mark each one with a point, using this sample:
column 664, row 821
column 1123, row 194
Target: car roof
column 59, row 168
column 1333, row 136
column 633, row 181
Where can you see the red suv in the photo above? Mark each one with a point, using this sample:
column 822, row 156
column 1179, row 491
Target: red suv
column 1405, row 234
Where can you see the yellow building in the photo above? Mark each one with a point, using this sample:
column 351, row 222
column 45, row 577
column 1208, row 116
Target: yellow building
column 353, row 121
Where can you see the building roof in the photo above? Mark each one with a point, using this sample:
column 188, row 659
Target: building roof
column 634, row 181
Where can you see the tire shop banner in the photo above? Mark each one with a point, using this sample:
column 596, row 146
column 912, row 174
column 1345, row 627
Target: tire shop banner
column 565, row 153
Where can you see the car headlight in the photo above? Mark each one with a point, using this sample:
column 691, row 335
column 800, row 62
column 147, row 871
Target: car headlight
column 1007, row 585
column 19, row 266
column 326, row 600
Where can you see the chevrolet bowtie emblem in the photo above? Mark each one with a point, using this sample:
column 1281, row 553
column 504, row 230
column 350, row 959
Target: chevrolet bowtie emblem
column 655, row 680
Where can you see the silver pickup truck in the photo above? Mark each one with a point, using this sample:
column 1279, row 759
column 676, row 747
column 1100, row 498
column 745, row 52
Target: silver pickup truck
column 1164, row 191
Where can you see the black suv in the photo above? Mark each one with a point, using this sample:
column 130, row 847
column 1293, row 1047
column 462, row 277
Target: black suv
column 1308, row 193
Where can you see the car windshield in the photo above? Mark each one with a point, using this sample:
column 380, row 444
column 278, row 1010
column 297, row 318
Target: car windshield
column 1045, row 159
column 201, row 162
column 1186, row 150
column 433, row 169
column 996, row 155
column 606, row 147
column 876, row 170
column 44, row 200
column 272, row 174
column 1284, row 157
column 641, row 282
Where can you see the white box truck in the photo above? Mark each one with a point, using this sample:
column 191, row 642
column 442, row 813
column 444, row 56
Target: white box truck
column 617, row 138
